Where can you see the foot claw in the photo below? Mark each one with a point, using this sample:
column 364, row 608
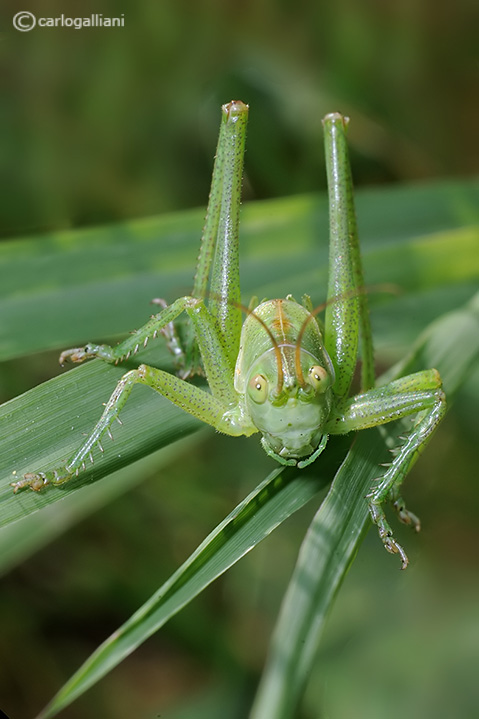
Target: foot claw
column 76, row 355
column 394, row 547
column 36, row 481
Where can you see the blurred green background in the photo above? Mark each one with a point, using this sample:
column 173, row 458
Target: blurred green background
column 100, row 125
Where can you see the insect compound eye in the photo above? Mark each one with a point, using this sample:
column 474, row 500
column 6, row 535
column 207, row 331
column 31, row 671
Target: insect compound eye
column 318, row 378
column 258, row 389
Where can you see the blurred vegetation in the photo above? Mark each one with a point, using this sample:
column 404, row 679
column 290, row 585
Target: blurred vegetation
column 100, row 125
column 103, row 125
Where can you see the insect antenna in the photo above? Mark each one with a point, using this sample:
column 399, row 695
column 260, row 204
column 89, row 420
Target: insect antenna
column 251, row 313
column 277, row 351
column 389, row 288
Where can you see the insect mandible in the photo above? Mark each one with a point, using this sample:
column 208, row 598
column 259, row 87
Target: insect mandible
column 275, row 373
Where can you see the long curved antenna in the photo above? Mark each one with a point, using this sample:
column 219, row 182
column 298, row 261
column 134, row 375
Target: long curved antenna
column 302, row 330
column 389, row 288
column 277, row 351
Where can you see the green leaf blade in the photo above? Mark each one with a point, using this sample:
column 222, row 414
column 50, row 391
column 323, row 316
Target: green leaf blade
column 341, row 522
column 104, row 277
column 274, row 500
column 41, row 428
column 326, row 554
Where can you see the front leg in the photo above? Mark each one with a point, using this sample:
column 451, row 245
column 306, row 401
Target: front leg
column 220, row 409
column 419, row 394
column 195, row 401
column 136, row 341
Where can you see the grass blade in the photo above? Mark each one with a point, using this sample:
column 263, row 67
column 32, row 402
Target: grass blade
column 280, row 495
column 22, row 538
column 340, row 524
column 105, row 277
column 327, row 551
column 42, row 427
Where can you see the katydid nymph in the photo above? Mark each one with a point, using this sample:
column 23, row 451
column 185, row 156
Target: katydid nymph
column 275, row 373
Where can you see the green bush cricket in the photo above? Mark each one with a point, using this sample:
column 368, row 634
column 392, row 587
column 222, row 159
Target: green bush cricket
column 274, row 374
